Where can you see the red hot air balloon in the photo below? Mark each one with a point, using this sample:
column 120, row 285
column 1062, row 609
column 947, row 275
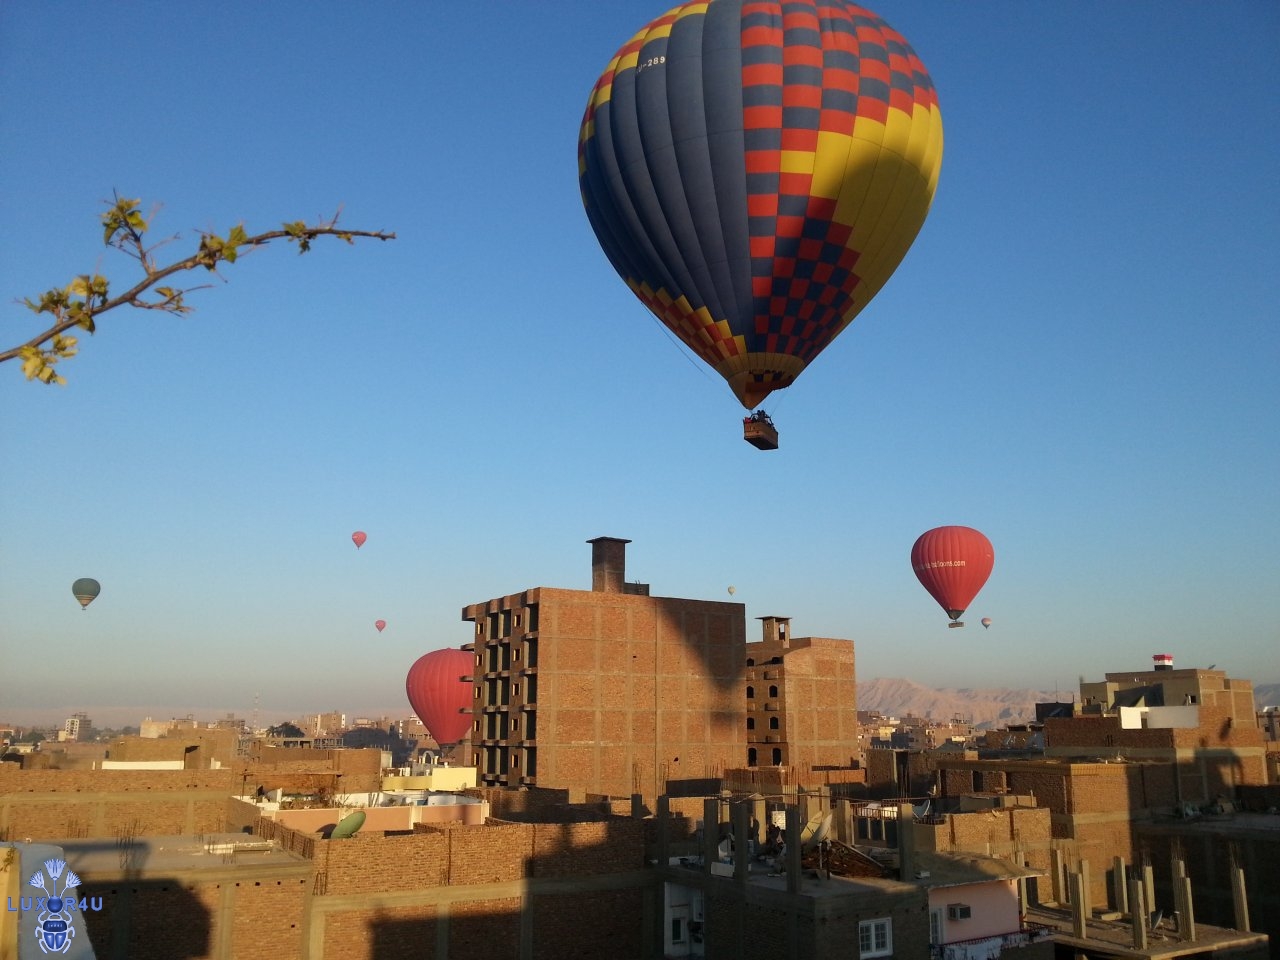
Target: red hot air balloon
column 358, row 538
column 953, row 563
column 438, row 694
column 380, row 624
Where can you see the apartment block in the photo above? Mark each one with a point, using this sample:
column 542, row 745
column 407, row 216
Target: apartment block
column 609, row 690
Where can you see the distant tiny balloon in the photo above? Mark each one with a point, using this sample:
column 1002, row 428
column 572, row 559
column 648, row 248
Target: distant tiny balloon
column 732, row 591
column 380, row 624
column 986, row 622
column 86, row 590
column 358, row 538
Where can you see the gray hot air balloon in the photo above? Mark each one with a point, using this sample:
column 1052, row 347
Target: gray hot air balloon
column 85, row 590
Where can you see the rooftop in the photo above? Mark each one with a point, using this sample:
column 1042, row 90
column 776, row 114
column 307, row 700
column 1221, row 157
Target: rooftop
column 1114, row 938
column 162, row 855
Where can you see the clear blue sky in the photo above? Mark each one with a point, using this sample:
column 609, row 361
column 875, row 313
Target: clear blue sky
column 1080, row 356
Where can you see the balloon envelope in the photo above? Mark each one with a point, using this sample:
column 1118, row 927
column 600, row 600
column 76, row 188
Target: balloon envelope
column 986, row 623
column 732, row 591
column 755, row 171
column 438, row 695
column 952, row 563
column 380, row 624
column 358, row 538
column 86, row 590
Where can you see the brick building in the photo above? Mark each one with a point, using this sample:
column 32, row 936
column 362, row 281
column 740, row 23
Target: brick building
column 1163, row 686
column 801, row 700
column 609, row 690
column 1127, row 761
column 613, row 691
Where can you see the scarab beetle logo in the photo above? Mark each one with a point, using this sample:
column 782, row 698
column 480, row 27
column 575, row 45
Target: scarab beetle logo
column 54, row 928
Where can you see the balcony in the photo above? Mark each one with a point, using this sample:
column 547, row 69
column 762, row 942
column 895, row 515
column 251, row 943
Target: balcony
column 772, row 674
column 990, row 946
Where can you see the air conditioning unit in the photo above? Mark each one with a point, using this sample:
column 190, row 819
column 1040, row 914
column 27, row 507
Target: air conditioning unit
column 958, row 911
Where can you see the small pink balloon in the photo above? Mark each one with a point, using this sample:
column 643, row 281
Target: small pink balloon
column 358, row 538
column 380, row 624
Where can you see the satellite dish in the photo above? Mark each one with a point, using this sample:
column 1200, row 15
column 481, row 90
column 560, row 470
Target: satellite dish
column 348, row 825
column 815, row 831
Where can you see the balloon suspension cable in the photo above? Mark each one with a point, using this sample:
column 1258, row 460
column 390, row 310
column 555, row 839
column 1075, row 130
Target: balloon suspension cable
column 682, row 348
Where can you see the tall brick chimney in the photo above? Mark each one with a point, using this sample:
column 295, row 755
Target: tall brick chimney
column 608, row 564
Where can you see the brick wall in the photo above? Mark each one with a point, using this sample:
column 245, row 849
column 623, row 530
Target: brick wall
column 245, row 914
column 52, row 804
column 587, row 849
column 382, row 933
column 577, row 927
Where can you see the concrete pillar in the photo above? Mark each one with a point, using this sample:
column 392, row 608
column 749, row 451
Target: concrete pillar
column 664, row 830
column 1238, row 898
column 740, row 817
column 793, row 848
column 1187, row 911
column 1079, row 925
column 1148, row 889
column 1119, row 885
column 1086, row 899
column 710, row 832
column 1137, row 900
column 760, row 811
column 841, row 821
column 1057, row 869
column 906, row 843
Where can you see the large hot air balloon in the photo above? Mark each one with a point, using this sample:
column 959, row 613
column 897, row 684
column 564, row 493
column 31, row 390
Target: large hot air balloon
column 358, row 538
column 380, row 624
column 953, row 563
column 755, row 171
column 86, row 590
column 439, row 696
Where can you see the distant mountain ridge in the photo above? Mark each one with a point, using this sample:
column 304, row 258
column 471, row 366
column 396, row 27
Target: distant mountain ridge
column 1266, row 694
column 988, row 708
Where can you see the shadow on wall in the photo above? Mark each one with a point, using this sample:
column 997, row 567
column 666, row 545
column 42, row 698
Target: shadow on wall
column 154, row 919
column 581, row 895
